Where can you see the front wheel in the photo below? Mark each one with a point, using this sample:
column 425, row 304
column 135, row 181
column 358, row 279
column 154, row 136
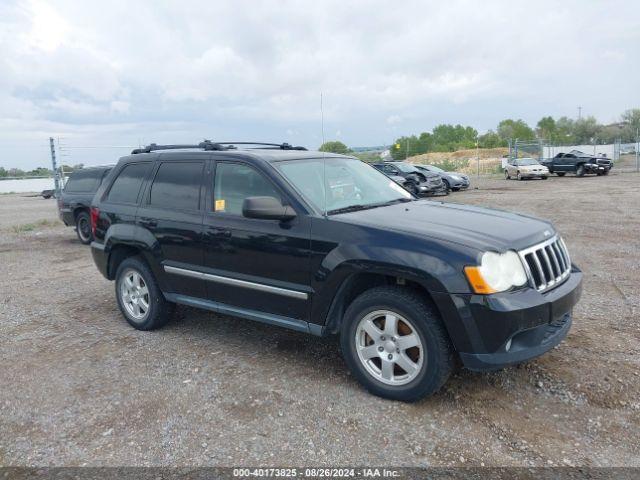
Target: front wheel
column 139, row 297
column 83, row 228
column 561, row 174
column 506, row 175
column 544, row 177
column 395, row 344
column 606, row 172
column 519, row 177
column 580, row 171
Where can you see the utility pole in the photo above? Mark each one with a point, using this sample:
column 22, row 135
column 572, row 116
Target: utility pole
column 637, row 148
column 579, row 113
column 54, row 166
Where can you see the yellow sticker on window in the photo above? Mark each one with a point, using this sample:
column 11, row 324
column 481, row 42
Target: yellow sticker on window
column 219, row 205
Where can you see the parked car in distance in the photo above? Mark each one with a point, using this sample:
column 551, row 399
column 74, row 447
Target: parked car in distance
column 522, row 168
column 75, row 199
column 325, row 244
column 579, row 163
column 453, row 181
column 416, row 181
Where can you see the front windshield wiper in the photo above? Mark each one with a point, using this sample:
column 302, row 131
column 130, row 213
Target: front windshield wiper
column 355, row 208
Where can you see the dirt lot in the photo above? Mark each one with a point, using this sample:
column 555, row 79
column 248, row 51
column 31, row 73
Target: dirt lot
column 79, row 386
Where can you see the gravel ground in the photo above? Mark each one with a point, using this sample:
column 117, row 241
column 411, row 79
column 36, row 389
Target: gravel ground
column 78, row 386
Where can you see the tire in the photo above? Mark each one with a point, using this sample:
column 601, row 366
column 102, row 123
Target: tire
column 83, row 228
column 413, row 188
column 606, row 172
column 543, row 178
column 561, row 174
column 580, row 171
column 158, row 311
column 506, row 175
column 431, row 360
column 446, row 184
column 519, row 177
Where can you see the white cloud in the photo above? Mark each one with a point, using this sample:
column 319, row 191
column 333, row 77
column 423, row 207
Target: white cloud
column 120, row 71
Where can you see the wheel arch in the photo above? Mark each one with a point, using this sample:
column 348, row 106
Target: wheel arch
column 357, row 283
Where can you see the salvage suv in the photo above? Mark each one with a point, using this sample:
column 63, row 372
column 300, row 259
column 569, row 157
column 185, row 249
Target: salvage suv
column 326, row 244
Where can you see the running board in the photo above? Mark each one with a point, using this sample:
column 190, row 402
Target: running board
column 268, row 318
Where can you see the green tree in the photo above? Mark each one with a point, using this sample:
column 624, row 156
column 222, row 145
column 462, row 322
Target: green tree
column 491, row 140
column 565, row 131
column 586, row 130
column 3, row 172
column 631, row 118
column 512, row 129
column 334, row 147
column 447, row 138
column 546, row 128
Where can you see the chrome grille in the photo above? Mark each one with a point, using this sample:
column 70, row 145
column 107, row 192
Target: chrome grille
column 547, row 263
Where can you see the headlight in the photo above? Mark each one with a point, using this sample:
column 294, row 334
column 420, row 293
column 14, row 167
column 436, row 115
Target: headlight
column 497, row 272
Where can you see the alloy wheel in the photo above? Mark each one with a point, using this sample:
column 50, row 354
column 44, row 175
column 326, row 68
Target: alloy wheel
column 134, row 294
column 389, row 347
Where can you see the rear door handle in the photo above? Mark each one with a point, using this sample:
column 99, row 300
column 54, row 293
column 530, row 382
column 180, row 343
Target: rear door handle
column 148, row 222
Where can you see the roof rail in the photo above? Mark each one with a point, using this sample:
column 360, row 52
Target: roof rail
column 208, row 145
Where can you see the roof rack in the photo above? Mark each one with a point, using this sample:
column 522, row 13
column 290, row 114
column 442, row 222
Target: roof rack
column 208, row 145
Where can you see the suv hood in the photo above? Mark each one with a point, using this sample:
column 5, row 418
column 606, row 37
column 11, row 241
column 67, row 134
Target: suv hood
column 475, row 227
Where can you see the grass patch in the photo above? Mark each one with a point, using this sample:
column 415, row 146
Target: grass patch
column 29, row 227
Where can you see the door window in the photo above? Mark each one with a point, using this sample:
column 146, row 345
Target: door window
column 82, row 182
column 234, row 182
column 126, row 186
column 177, row 186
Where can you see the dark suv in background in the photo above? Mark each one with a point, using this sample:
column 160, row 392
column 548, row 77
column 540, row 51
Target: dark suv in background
column 75, row 200
column 325, row 244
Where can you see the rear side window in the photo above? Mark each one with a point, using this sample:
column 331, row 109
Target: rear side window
column 177, row 185
column 126, row 186
column 84, row 181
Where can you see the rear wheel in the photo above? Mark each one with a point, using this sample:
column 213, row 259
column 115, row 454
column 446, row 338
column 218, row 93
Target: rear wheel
column 139, row 297
column 506, row 175
column 83, row 228
column 395, row 344
column 544, row 177
column 580, row 171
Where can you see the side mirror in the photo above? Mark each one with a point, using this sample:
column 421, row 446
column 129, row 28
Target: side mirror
column 266, row 208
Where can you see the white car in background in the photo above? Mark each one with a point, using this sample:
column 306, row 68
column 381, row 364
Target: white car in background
column 521, row 168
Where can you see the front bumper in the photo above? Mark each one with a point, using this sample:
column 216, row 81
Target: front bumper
column 534, row 174
column 492, row 331
column 459, row 185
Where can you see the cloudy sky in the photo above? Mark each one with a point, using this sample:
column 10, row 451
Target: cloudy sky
column 119, row 73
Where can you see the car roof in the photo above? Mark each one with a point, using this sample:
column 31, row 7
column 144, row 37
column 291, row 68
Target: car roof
column 259, row 154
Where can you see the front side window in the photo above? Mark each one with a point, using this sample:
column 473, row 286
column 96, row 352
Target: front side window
column 126, row 186
column 333, row 184
column 234, row 182
column 177, row 186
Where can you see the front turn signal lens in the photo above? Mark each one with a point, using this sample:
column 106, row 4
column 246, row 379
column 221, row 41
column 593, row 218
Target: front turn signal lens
column 477, row 282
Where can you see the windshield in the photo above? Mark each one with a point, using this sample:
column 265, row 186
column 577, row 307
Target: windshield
column 527, row 161
column 335, row 184
column 435, row 169
column 406, row 168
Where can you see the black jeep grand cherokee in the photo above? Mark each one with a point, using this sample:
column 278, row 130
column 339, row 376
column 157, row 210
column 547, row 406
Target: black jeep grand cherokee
column 326, row 244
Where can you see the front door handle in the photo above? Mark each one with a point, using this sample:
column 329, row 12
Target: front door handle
column 219, row 232
column 148, row 222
